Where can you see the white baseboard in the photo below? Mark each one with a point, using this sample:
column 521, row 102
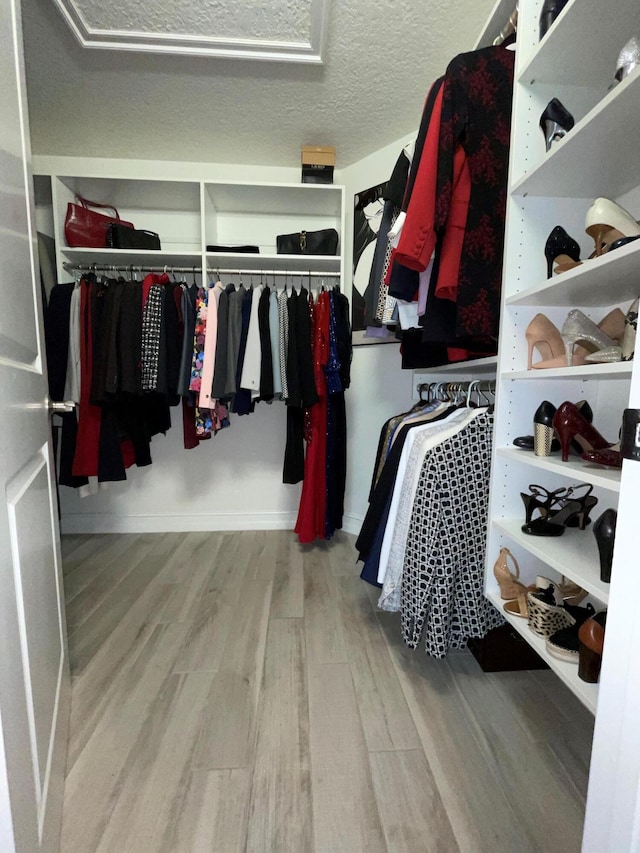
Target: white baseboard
column 352, row 523
column 99, row 522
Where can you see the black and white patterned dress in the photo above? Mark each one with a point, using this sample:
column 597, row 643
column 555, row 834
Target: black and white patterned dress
column 443, row 571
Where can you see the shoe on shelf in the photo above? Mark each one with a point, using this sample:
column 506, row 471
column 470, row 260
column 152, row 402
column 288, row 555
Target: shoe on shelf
column 546, row 614
column 550, row 11
column 564, row 644
column 570, row 424
column 543, row 500
column 555, row 122
column 543, row 336
column 591, row 637
column 623, row 241
column 574, row 512
column 527, row 442
column 560, row 245
column 579, row 329
column 604, row 529
column 517, row 607
column 543, row 428
column 510, row 585
column 628, row 59
column 625, row 351
column 605, row 215
column 610, row 457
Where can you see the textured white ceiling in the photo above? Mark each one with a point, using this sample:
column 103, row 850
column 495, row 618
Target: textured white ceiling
column 285, row 20
column 379, row 61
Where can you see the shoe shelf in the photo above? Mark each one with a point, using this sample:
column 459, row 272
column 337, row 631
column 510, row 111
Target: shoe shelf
column 574, row 554
column 576, row 166
column 578, row 49
column 568, row 672
column 615, row 370
column 608, row 280
column 574, row 469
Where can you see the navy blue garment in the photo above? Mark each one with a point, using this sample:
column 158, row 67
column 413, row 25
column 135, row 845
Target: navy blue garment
column 369, row 571
column 242, row 402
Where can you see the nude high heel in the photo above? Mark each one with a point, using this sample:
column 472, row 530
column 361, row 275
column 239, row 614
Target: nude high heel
column 542, row 335
column 510, row 586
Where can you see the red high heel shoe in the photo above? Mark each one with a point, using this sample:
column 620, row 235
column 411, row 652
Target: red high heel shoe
column 570, row 424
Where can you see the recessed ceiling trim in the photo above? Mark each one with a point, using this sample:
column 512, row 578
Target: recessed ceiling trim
column 201, row 45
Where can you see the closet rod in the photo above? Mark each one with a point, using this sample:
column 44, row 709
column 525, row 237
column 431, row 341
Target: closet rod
column 184, row 270
column 474, row 384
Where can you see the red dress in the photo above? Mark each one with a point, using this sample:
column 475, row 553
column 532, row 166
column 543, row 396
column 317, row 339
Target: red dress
column 311, row 523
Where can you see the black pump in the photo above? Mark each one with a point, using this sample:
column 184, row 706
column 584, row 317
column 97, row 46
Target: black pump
column 560, row 243
column 555, row 122
column 604, row 529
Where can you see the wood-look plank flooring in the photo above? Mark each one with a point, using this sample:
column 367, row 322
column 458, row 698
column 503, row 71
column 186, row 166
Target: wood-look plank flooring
column 240, row 693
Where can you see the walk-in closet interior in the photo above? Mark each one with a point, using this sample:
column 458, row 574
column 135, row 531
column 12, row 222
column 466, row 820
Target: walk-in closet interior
column 322, row 427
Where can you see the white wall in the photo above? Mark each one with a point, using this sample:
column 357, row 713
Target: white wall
column 234, row 481
column 379, row 388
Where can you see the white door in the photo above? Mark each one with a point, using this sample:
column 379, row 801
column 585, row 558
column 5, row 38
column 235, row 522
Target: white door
column 34, row 681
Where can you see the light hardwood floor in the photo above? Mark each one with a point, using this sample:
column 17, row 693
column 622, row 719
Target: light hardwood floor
column 240, row 692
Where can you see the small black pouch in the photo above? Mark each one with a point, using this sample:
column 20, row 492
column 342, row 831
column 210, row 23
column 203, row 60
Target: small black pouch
column 121, row 237
column 324, row 242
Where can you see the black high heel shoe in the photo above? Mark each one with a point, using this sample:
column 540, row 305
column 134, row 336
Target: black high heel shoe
column 550, row 11
column 560, row 243
column 604, row 529
column 541, row 499
column 574, row 512
column 555, row 122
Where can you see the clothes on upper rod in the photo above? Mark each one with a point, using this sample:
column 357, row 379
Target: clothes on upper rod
column 127, row 351
column 451, row 220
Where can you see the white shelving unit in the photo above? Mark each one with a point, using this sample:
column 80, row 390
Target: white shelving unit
column 575, row 63
column 190, row 215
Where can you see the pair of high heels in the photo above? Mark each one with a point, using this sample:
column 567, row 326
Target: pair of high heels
column 581, row 340
column 609, row 225
column 565, row 507
column 543, row 442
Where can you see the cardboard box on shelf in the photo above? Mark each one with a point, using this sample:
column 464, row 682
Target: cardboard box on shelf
column 318, row 162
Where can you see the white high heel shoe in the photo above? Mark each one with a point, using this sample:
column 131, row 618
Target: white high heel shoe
column 605, row 215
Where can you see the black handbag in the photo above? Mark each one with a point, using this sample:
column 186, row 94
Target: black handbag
column 323, row 242
column 120, row 237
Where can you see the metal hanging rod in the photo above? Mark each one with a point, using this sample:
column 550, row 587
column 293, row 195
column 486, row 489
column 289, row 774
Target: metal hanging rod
column 473, row 385
column 166, row 268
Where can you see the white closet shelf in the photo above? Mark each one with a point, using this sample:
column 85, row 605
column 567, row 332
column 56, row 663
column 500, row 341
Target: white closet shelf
column 578, row 49
column 272, row 261
column 484, row 366
column 574, row 469
column 256, row 198
column 617, row 370
column 574, row 554
column 594, row 159
column 132, row 257
column 568, row 672
column 608, row 280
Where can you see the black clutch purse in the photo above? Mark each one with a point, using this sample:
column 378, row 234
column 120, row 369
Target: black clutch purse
column 121, row 237
column 323, row 242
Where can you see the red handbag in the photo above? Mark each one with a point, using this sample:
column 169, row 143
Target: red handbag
column 86, row 228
